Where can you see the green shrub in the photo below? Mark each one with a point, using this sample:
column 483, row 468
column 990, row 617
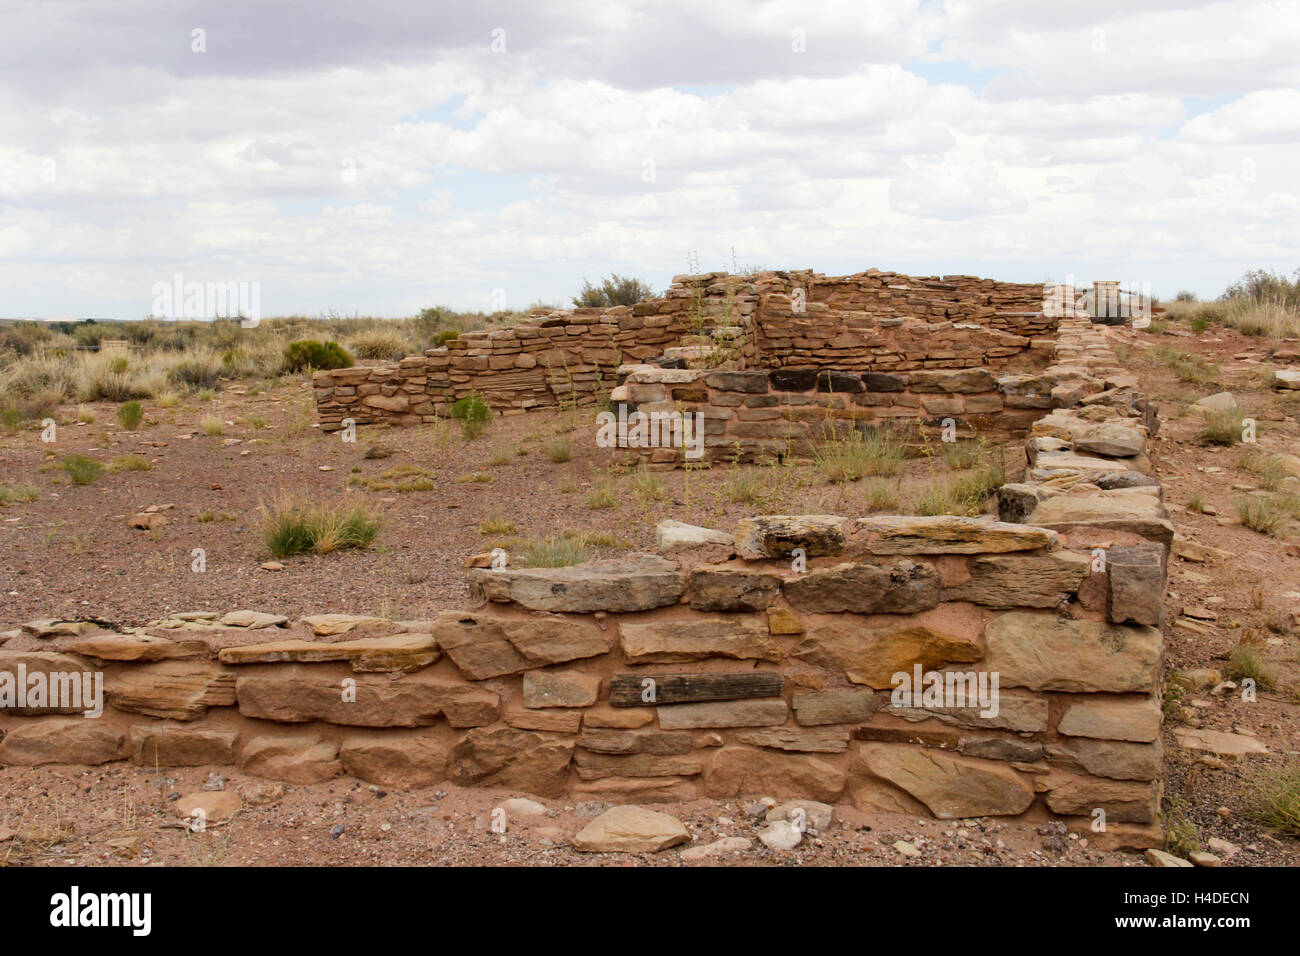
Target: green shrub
column 311, row 354
column 616, row 290
column 81, row 470
column 129, row 415
column 473, row 413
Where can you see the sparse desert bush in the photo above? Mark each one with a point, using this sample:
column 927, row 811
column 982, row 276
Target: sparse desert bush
column 296, row 526
column 36, row 407
column 501, row 455
column 311, row 354
column 81, row 469
column 557, row 450
column 197, row 371
column 387, row 344
column 496, row 526
column 129, row 415
column 212, row 427
column 474, row 415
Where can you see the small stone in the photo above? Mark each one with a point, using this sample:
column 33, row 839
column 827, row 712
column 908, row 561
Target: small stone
column 906, row 849
column 1201, row 858
column 723, row 847
column 780, row 835
column 1161, row 858
column 630, row 829
column 209, row 806
column 253, row 619
column 271, row 566
column 523, row 807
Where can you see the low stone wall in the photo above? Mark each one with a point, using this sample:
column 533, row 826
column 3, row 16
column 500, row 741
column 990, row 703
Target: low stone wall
column 713, row 669
column 874, row 321
column 755, row 413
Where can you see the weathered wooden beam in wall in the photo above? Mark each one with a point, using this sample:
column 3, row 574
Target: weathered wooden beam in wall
column 630, row 690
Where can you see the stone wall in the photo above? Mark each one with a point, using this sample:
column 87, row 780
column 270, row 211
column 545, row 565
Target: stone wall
column 874, row 321
column 764, row 659
column 750, row 414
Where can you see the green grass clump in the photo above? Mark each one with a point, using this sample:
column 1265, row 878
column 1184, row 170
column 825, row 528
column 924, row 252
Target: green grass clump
column 402, row 479
column 129, row 415
column 212, row 427
column 474, row 415
column 1221, row 426
column 554, row 551
column 859, row 453
column 81, row 470
column 129, row 463
column 1275, row 800
column 1246, row 662
column 1269, row 469
column 1181, row 835
column 18, row 493
column 1263, row 515
column 647, row 486
column 292, row 526
column 496, row 526
column 1187, row 367
column 601, row 498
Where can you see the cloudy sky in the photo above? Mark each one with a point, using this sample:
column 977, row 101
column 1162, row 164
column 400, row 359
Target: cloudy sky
column 377, row 157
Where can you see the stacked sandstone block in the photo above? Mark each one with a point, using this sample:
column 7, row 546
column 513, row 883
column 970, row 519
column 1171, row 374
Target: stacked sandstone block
column 718, row 667
column 869, row 322
column 752, row 414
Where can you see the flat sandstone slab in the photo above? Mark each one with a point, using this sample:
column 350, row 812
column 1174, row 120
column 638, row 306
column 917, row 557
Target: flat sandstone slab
column 947, row 534
column 638, row 582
